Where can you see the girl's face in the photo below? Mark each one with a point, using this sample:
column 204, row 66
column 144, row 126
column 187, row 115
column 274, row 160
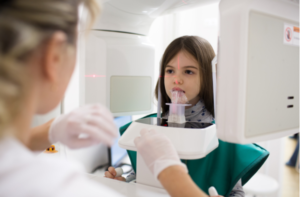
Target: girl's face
column 182, row 73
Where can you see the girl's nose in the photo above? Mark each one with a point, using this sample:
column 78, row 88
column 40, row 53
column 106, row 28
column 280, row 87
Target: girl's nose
column 178, row 80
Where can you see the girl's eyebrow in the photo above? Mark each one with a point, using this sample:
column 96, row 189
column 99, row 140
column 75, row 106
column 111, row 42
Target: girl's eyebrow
column 169, row 66
column 195, row 67
column 189, row 66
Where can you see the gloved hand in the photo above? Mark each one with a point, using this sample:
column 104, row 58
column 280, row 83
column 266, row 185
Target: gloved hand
column 157, row 151
column 83, row 127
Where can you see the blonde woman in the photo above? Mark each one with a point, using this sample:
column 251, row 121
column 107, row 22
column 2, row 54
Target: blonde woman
column 37, row 58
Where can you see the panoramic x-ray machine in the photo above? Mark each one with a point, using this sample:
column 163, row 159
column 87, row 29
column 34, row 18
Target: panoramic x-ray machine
column 256, row 72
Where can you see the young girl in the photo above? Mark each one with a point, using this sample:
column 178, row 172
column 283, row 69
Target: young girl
column 186, row 68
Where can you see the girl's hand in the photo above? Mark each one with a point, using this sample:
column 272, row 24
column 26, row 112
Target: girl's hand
column 112, row 173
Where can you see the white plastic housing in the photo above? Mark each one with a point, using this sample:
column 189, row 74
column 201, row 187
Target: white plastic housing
column 136, row 16
column 257, row 72
column 190, row 143
column 119, row 70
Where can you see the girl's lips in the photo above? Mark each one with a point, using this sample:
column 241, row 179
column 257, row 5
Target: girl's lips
column 178, row 89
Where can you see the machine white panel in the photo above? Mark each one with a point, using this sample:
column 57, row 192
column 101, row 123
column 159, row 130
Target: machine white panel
column 272, row 103
column 125, row 56
column 256, row 72
column 130, row 94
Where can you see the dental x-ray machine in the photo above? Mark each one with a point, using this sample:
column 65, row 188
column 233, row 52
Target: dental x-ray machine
column 257, row 72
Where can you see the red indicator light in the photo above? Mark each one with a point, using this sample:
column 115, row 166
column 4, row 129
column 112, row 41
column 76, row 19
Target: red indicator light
column 94, row 76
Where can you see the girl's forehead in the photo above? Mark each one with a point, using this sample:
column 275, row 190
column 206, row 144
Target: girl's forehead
column 183, row 57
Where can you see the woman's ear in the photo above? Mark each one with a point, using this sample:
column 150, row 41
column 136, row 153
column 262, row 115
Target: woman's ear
column 53, row 56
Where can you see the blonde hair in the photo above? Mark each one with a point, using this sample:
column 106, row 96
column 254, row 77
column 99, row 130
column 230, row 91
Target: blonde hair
column 25, row 25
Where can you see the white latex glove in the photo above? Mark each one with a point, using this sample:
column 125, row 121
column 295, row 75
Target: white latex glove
column 157, row 151
column 83, row 127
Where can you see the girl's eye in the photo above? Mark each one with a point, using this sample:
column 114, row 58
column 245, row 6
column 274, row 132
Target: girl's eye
column 169, row 71
column 189, row 72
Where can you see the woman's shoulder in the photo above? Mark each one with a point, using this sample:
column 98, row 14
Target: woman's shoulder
column 17, row 157
column 31, row 173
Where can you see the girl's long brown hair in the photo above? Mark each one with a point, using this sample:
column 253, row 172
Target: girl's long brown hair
column 203, row 52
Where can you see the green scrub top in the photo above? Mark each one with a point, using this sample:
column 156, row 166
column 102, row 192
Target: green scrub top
column 223, row 167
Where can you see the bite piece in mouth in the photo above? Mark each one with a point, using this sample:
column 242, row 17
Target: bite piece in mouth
column 178, row 89
column 178, row 96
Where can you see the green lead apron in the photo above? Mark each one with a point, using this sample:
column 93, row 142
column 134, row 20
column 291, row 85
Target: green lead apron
column 223, row 167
